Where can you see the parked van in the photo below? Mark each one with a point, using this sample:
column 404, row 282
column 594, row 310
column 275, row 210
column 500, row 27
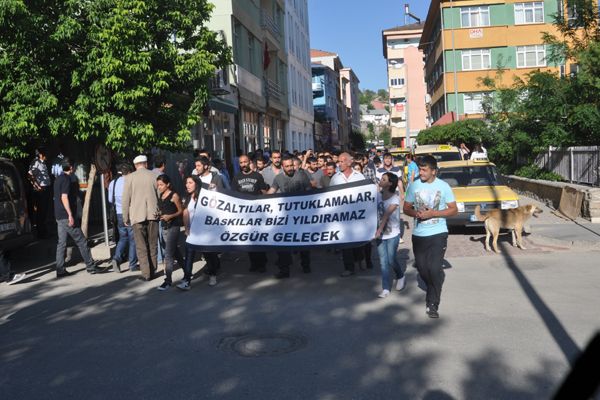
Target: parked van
column 15, row 226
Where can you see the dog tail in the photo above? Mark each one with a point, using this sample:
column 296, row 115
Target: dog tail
column 478, row 214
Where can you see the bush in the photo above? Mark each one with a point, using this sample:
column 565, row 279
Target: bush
column 532, row 171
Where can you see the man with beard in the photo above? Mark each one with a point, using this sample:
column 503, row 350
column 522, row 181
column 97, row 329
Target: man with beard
column 274, row 169
column 260, row 163
column 251, row 182
column 314, row 172
column 292, row 180
column 330, row 171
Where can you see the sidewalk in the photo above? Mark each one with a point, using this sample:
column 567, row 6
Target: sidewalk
column 556, row 230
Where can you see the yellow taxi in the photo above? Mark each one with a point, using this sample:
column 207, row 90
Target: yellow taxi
column 399, row 155
column 475, row 182
column 441, row 152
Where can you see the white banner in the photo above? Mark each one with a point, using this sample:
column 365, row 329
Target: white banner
column 342, row 215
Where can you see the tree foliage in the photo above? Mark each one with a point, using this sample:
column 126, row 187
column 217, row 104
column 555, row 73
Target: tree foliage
column 367, row 96
column 128, row 73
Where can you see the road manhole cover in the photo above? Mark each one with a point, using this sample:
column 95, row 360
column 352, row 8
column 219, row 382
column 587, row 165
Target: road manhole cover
column 262, row 344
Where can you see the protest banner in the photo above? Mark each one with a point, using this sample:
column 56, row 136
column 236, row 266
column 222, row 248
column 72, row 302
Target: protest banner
column 344, row 215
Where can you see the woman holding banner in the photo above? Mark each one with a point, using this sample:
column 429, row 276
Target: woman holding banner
column 388, row 233
column 193, row 184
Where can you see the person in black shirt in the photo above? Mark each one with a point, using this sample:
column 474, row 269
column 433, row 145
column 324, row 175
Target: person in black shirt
column 251, row 182
column 171, row 217
column 292, row 180
column 65, row 202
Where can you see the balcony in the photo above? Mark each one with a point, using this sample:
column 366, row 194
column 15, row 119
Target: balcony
column 317, row 86
column 269, row 24
column 273, row 90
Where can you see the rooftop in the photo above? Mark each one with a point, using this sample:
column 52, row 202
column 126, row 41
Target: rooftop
column 409, row 27
column 321, row 53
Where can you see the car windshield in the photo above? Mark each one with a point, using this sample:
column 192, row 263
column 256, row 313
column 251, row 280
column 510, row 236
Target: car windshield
column 447, row 156
column 399, row 157
column 484, row 175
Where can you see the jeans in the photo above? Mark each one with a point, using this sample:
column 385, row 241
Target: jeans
column 146, row 243
column 171, row 238
column 77, row 235
column 213, row 263
column 160, row 255
column 429, row 255
column 388, row 257
column 42, row 201
column 125, row 241
column 285, row 260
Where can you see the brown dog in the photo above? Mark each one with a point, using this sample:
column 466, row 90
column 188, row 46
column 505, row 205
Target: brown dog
column 513, row 219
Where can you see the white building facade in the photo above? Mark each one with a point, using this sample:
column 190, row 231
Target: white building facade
column 299, row 132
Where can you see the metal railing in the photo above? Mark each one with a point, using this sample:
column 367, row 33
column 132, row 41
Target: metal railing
column 580, row 164
column 268, row 23
column 273, row 89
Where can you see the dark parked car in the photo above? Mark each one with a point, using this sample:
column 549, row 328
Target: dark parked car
column 15, row 226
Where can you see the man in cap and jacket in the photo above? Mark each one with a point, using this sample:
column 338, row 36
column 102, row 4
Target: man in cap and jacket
column 140, row 210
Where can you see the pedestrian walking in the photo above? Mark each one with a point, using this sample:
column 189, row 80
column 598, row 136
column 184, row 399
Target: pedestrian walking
column 42, row 191
column 251, row 182
column 430, row 200
column 347, row 175
column 292, row 180
column 65, row 202
column 171, row 218
column 413, row 169
column 387, row 236
column 126, row 242
column 193, row 185
column 270, row 172
column 140, row 210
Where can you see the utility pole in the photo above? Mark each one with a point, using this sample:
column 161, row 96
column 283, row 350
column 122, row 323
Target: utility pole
column 408, row 14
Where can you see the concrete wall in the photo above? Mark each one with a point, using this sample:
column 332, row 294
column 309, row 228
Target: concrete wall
column 550, row 193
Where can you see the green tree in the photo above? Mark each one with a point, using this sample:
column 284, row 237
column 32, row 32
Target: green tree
column 366, row 97
column 131, row 74
column 383, row 95
column 386, row 135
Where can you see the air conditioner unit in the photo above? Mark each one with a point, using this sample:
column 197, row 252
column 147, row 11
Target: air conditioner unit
column 219, row 83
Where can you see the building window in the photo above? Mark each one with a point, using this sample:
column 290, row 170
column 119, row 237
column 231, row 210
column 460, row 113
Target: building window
column 237, row 29
column 531, row 56
column 529, row 13
column 397, row 82
column 472, row 103
column 251, row 51
column 474, row 16
column 476, row 59
column 396, row 62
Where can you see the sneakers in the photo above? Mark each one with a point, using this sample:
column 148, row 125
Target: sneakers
column 401, row 284
column 184, row 285
column 94, row 270
column 431, row 311
column 63, row 274
column 115, row 266
column 164, row 286
column 16, row 278
column 384, row 293
column 212, row 280
column 346, row 274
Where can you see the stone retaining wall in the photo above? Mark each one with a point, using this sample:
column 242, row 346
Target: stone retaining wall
column 550, row 192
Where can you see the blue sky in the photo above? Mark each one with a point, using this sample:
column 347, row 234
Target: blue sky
column 352, row 29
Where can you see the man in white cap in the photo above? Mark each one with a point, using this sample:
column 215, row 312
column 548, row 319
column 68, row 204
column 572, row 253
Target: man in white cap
column 140, row 210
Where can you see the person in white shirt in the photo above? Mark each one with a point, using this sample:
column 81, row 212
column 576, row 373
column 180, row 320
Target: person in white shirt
column 478, row 152
column 347, row 175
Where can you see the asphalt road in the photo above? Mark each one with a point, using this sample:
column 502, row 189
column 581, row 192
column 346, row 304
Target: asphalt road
column 510, row 326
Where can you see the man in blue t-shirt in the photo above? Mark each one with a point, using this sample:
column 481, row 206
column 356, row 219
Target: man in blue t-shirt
column 430, row 200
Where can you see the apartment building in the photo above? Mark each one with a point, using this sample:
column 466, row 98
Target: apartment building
column 325, row 93
column 346, row 100
column 252, row 110
column 406, row 83
column 352, row 98
column 299, row 132
column 465, row 40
